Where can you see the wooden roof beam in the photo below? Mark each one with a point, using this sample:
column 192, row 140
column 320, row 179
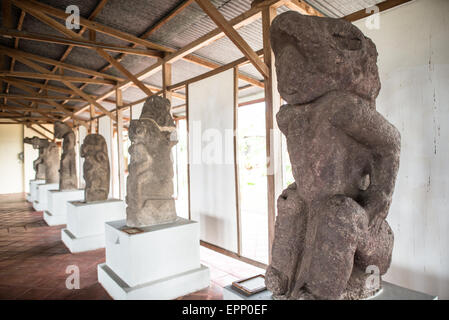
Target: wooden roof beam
column 42, row 97
column 51, row 76
column 303, row 8
column 66, row 53
column 20, row 53
column 78, row 43
column 245, row 18
column 34, row 6
column 233, row 35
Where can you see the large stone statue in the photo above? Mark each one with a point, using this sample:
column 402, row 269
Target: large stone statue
column 330, row 232
column 96, row 168
column 46, row 165
column 67, row 170
column 149, row 193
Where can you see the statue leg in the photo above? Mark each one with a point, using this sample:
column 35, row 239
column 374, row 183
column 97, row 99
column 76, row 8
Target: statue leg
column 376, row 249
column 341, row 222
column 288, row 241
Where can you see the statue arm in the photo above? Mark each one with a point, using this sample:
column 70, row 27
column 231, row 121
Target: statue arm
column 364, row 124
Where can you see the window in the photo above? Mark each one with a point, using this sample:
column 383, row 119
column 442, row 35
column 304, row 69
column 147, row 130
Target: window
column 253, row 182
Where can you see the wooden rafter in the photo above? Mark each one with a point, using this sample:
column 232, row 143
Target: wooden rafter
column 211, row 72
column 233, row 35
column 38, row 85
column 68, row 84
column 166, row 18
column 245, row 18
column 303, row 7
column 66, row 53
column 385, row 5
column 37, row 7
column 78, row 43
column 42, row 97
column 57, row 77
column 62, row 65
column 16, row 45
column 56, row 25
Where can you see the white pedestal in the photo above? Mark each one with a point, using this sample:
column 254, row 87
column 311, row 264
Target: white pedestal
column 33, row 190
column 40, row 203
column 389, row 291
column 162, row 262
column 86, row 223
column 56, row 212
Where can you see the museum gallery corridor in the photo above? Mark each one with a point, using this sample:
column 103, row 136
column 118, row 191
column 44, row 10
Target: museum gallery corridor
column 33, row 260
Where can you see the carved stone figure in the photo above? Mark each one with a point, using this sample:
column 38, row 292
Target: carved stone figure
column 150, row 181
column 330, row 232
column 46, row 165
column 96, row 168
column 38, row 164
column 67, row 171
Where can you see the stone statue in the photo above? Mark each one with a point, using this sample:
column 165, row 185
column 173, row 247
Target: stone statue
column 96, row 168
column 38, row 164
column 330, row 231
column 149, row 193
column 46, row 165
column 67, row 171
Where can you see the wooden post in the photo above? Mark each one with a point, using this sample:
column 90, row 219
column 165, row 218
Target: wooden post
column 236, row 161
column 166, row 81
column 188, row 149
column 273, row 137
column 92, row 128
column 121, row 160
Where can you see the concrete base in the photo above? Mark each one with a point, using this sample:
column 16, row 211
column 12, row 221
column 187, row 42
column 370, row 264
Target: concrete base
column 86, row 221
column 389, row 291
column 162, row 289
column 40, row 203
column 33, row 190
column 160, row 262
column 56, row 212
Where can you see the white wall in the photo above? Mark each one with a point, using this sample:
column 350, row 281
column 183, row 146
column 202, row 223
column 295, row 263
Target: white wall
column 212, row 173
column 30, row 154
column 413, row 46
column 11, row 168
column 105, row 129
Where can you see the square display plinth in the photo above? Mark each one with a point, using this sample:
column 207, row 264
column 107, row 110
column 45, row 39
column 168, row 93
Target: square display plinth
column 160, row 262
column 56, row 212
column 33, row 190
column 389, row 291
column 40, row 203
column 86, row 223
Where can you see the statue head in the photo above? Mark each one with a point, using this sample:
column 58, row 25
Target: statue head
column 158, row 109
column 94, row 147
column 36, row 142
column 61, row 129
column 316, row 55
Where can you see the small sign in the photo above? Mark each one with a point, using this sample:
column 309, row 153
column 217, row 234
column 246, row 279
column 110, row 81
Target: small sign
column 130, row 230
column 250, row 286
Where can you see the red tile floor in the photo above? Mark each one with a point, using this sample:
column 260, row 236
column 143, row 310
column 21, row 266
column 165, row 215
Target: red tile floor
column 33, row 260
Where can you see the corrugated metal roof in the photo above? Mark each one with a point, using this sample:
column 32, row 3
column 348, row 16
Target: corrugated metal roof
column 137, row 16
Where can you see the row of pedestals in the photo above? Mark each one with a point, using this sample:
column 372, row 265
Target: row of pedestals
column 157, row 262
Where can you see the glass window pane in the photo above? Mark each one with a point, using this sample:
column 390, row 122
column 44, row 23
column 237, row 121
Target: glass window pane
column 253, row 182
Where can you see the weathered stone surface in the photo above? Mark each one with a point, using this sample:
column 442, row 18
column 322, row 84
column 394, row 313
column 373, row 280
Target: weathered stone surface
column 38, row 164
column 150, row 181
column 67, row 171
column 345, row 157
column 46, row 165
column 96, row 168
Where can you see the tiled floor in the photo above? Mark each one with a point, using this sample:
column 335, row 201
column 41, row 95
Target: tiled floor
column 33, row 260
